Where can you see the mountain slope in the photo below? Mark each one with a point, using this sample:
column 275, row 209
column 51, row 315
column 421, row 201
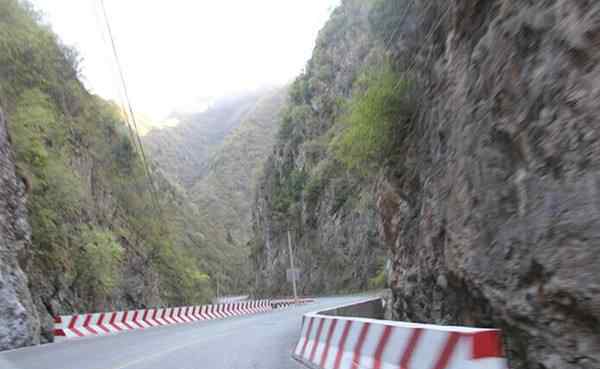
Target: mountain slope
column 100, row 237
column 215, row 158
column 328, row 208
column 184, row 150
column 227, row 189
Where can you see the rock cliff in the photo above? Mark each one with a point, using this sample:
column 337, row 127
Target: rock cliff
column 492, row 216
column 19, row 323
column 489, row 206
column 329, row 211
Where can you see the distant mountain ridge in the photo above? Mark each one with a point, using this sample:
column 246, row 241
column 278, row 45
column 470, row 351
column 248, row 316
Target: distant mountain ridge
column 184, row 150
column 216, row 157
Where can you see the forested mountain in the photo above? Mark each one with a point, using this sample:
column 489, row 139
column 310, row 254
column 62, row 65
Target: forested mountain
column 104, row 236
column 184, row 151
column 226, row 191
column 215, row 157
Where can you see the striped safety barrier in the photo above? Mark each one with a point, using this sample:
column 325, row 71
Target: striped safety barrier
column 331, row 342
column 279, row 304
column 73, row 326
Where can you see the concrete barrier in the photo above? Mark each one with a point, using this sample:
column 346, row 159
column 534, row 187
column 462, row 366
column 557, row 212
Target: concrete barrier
column 283, row 303
column 339, row 342
column 96, row 324
column 372, row 309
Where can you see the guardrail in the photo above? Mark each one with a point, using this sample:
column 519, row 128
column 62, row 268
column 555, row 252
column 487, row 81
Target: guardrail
column 337, row 342
column 278, row 304
column 82, row 325
column 98, row 324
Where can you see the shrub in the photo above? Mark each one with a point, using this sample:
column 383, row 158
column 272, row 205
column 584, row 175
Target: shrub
column 378, row 281
column 288, row 190
column 100, row 267
column 377, row 119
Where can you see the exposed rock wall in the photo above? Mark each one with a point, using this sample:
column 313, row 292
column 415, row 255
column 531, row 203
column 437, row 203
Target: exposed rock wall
column 493, row 216
column 329, row 210
column 19, row 322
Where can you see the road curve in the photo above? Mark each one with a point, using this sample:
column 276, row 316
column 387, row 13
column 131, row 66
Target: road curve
column 262, row 341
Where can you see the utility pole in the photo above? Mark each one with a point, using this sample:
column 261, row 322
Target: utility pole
column 292, row 266
column 218, row 278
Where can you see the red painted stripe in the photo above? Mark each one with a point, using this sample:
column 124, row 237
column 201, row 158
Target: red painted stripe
column 135, row 320
column 145, row 318
column 58, row 333
column 190, row 313
column 207, row 311
column 446, row 354
column 86, row 324
column 101, row 323
column 316, row 340
column 328, row 342
column 307, row 336
column 154, row 319
column 124, row 320
column 171, row 316
column 163, row 316
column 342, row 344
column 57, row 320
column 194, row 313
column 359, row 345
column 410, row 348
column 487, row 344
column 112, row 322
column 381, row 345
column 72, row 326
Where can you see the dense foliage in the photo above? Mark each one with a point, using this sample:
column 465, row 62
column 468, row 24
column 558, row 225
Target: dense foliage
column 378, row 117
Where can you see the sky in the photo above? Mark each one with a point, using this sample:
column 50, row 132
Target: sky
column 180, row 54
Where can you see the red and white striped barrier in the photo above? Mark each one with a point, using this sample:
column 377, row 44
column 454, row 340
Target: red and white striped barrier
column 73, row 326
column 330, row 342
column 278, row 304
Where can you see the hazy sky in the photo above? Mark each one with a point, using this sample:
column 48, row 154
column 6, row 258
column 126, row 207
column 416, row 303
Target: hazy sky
column 177, row 53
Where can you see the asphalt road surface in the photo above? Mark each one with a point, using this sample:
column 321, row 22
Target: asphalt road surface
column 261, row 341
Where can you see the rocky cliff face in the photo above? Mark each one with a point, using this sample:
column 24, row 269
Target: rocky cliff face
column 19, row 322
column 491, row 212
column 329, row 211
column 493, row 217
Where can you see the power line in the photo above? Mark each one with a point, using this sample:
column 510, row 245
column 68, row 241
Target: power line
column 136, row 135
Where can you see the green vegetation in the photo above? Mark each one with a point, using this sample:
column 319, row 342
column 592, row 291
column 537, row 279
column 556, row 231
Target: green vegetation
column 98, row 237
column 378, row 118
column 99, row 266
column 289, row 190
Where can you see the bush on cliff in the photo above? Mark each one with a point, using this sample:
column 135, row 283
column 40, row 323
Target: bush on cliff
column 378, row 118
